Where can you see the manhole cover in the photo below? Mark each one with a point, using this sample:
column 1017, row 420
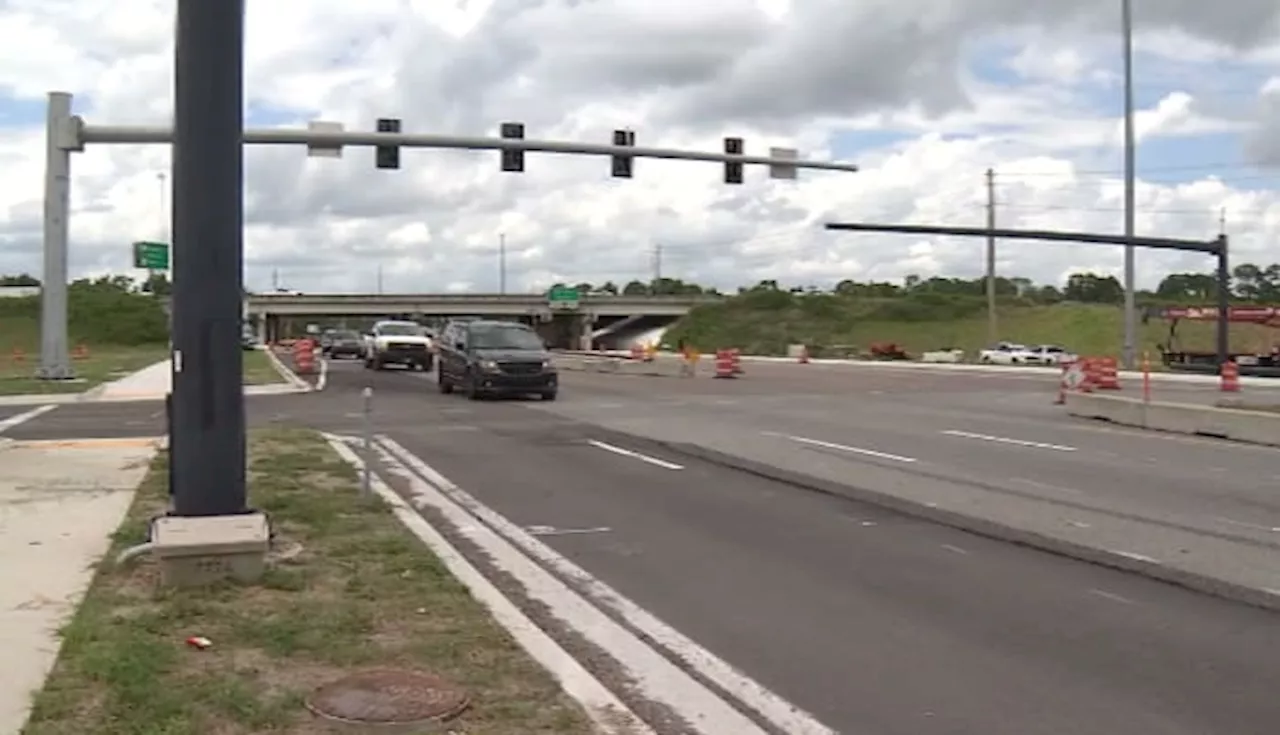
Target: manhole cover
column 388, row 697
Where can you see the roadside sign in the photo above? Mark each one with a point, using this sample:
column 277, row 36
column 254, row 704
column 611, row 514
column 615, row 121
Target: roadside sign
column 1074, row 376
column 153, row 256
column 563, row 297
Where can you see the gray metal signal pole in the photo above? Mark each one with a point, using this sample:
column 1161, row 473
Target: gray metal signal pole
column 1217, row 247
column 208, row 432
column 1129, row 353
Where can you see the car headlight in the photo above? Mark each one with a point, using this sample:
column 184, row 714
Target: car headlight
column 547, row 365
column 489, row 366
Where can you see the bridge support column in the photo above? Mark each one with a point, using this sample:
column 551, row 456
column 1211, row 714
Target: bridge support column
column 586, row 325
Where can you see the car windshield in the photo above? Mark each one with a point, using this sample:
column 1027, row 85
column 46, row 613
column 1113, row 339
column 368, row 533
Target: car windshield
column 402, row 330
column 345, row 334
column 501, row 337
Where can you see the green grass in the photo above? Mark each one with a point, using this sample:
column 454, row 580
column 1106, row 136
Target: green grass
column 363, row 592
column 258, row 369
column 842, row 326
column 100, row 365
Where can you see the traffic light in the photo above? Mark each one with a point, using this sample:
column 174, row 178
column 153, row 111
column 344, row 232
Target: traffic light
column 512, row 161
column 732, row 171
column 387, row 156
column 622, row 165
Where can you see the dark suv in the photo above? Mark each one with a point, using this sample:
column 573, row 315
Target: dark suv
column 482, row 357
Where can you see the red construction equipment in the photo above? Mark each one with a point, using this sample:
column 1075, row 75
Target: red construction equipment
column 19, row 355
column 1230, row 382
column 304, row 357
column 81, row 352
column 637, row 352
column 728, row 364
column 737, row 360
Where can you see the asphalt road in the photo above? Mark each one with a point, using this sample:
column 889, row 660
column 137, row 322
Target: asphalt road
column 874, row 622
column 1001, row 430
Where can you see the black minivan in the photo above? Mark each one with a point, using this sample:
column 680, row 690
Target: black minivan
column 483, row 357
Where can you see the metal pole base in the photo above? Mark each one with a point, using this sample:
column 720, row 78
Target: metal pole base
column 57, row 372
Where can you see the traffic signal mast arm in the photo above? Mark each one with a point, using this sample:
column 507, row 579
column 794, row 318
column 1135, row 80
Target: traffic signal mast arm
column 337, row 139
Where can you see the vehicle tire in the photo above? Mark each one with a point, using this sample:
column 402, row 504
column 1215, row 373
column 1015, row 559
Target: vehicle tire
column 368, row 364
column 427, row 365
column 378, row 364
column 549, row 395
column 986, row 360
column 469, row 388
column 443, row 383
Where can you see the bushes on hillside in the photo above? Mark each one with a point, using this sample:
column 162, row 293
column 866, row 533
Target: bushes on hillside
column 100, row 312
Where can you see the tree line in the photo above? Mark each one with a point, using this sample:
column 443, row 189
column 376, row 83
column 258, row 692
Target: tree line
column 110, row 310
column 1249, row 283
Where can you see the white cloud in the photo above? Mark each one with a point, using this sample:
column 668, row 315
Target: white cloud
column 916, row 85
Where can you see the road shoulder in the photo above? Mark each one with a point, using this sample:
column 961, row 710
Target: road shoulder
column 352, row 590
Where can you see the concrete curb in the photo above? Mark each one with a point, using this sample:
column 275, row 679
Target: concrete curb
column 1196, row 581
column 1233, row 424
column 283, row 370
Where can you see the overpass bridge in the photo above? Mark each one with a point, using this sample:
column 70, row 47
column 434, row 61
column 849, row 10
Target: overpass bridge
column 567, row 324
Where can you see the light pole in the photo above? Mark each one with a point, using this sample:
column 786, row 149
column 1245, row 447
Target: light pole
column 1130, row 300
column 502, row 262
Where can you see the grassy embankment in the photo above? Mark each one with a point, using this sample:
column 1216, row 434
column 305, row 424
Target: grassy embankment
column 122, row 332
column 363, row 592
column 766, row 322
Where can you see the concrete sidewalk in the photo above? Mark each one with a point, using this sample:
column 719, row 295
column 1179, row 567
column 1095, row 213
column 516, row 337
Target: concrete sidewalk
column 60, row 501
column 154, row 382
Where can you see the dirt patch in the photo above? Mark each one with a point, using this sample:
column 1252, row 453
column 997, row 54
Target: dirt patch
column 360, row 593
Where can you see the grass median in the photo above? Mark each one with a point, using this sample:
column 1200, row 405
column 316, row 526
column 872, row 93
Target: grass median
column 363, row 592
column 97, row 365
column 259, row 370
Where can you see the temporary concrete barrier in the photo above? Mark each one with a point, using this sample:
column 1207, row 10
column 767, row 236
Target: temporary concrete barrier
column 1253, row 427
column 943, row 356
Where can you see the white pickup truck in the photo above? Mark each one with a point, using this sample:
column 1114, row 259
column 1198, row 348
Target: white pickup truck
column 1010, row 353
column 398, row 343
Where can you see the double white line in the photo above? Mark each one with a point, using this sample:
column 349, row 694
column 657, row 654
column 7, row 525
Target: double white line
column 653, row 674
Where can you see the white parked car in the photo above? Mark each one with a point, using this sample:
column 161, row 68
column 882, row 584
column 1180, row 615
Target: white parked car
column 1006, row 353
column 1049, row 355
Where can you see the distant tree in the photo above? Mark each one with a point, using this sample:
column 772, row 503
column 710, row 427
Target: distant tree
column 22, row 279
column 635, row 288
column 1091, row 288
column 609, row 287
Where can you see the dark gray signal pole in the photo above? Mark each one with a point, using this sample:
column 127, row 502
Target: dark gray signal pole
column 1217, row 247
column 207, row 437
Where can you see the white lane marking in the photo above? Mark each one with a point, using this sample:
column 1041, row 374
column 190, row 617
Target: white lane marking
column 843, row 447
column 323, row 380
column 955, row 549
column 782, row 714
column 1007, row 440
column 635, row 455
column 1047, row 486
column 1245, row 524
column 24, row 417
column 1135, row 557
column 553, row 531
column 602, row 705
column 1079, row 524
column 1111, row 596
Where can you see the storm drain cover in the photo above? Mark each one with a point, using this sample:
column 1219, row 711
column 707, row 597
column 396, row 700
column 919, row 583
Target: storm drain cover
column 388, row 697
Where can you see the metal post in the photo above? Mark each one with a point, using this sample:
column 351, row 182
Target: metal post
column 502, row 263
column 1224, row 303
column 208, row 437
column 1130, row 297
column 993, row 329
column 55, row 362
column 365, row 477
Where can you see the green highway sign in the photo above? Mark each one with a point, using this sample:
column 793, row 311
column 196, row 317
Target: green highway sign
column 153, row 256
column 564, row 297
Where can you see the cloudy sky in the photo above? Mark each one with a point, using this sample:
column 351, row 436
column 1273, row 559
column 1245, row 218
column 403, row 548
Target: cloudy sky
column 925, row 95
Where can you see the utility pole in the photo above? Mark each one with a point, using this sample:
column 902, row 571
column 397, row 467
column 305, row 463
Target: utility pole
column 379, row 279
column 657, row 264
column 1222, row 221
column 502, row 262
column 1130, row 252
column 993, row 328
column 275, row 279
